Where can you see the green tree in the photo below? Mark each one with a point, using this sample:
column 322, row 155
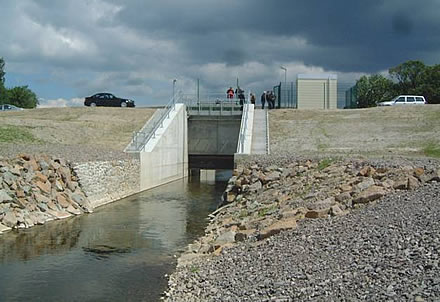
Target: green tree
column 2, row 71
column 3, row 94
column 3, row 97
column 409, row 76
column 430, row 86
column 373, row 89
column 22, row 96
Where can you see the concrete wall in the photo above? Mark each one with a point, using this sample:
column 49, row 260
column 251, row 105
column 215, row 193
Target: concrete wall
column 317, row 93
column 107, row 181
column 213, row 134
column 165, row 157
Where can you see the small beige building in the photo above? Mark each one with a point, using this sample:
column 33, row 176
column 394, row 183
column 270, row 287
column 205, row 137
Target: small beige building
column 317, row 91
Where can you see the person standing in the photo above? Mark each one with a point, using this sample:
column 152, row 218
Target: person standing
column 253, row 99
column 271, row 100
column 230, row 93
column 263, row 99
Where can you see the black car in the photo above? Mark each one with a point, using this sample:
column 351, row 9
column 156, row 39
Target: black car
column 108, row 100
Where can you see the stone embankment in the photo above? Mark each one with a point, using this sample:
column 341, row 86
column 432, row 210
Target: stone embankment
column 37, row 189
column 106, row 181
column 263, row 200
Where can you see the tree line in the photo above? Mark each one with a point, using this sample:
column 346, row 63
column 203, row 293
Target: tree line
column 20, row 96
column 411, row 77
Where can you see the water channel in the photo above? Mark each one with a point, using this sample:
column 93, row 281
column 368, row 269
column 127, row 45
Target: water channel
column 121, row 252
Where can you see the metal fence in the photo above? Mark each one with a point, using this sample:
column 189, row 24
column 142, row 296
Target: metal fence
column 351, row 98
column 286, row 95
column 213, row 104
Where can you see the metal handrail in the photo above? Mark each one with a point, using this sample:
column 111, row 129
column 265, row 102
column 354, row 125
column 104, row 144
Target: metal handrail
column 141, row 138
column 267, row 133
column 243, row 126
column 212, row 107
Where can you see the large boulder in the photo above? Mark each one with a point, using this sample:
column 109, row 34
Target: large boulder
column 10, row 219
column 370, row 194
column 277, row 227
column 4, row 196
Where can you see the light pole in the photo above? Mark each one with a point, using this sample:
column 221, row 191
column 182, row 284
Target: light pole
column 174, row 86
column 285, row 83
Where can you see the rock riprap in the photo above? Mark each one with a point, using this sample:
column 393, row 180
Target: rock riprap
column 261, row 201
column 37, row 189
column 356, row 230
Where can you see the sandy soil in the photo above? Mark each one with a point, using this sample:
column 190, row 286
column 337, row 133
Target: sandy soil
column 405, row 131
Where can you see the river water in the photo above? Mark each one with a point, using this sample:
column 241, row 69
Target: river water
column 121, row 252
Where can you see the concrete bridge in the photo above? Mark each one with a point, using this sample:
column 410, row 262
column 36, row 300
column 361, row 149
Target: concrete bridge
column 191, row 134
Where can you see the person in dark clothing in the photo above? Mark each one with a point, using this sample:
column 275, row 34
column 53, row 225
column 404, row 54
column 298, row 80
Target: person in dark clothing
column 263, row 99
column 252, row 99
column 240, row 94
column 274, row 98
column 271, row 100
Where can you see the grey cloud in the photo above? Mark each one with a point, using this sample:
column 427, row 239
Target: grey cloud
column 152, row 42
column 402, row 24
column 345, row 33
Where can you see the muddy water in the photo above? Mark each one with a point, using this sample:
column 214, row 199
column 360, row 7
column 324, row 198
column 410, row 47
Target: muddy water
column 119, row 253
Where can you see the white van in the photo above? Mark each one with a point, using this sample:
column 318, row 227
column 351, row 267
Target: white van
column 405, row 100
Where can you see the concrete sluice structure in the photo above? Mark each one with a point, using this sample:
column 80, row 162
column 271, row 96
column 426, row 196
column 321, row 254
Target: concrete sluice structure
column 185, row 138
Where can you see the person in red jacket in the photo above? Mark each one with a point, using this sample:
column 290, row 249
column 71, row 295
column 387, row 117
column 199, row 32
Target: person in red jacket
column 230, row 93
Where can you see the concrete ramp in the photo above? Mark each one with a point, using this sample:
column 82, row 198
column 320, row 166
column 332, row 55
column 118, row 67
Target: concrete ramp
column 260, row 132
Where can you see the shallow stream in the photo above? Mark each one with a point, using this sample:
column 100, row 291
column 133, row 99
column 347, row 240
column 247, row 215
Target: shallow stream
column 121, row 252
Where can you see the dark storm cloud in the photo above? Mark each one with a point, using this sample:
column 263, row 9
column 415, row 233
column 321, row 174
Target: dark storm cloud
column 345, row 35
column 402, row 24
column 140, row 46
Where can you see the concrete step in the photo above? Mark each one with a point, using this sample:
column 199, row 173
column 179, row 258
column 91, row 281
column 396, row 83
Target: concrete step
column 259, row 132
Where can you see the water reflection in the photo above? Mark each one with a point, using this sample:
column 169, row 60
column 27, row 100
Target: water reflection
column 120, row 252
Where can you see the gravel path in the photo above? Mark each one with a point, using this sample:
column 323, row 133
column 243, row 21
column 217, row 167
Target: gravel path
column 384, row 252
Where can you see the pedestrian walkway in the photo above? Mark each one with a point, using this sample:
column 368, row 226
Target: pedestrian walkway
column 260, row 134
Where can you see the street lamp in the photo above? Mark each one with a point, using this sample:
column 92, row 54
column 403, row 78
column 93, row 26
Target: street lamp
column 174, row 86
column 285, row 82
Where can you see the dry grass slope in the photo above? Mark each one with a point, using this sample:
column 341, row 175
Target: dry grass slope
column 374, row 132
column 54, row 130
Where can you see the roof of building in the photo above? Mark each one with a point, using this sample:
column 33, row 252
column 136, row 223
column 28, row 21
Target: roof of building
column 316, row 76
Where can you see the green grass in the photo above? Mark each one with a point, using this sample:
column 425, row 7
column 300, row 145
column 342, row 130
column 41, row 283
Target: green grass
column 11, row 134
column 194, row 269
column 325, row 163
column 432, row 149
column 265, row 211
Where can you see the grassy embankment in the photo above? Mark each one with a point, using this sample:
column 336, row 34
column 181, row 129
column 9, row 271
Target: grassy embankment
column 107, row 127
column 374, row 132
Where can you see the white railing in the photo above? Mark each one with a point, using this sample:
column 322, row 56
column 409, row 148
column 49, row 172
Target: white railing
column 141, row 138
column 243, row 127
column 267, row 133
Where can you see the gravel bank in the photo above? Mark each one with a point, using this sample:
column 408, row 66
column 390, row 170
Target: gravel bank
column 72, row 153
column 388, row 251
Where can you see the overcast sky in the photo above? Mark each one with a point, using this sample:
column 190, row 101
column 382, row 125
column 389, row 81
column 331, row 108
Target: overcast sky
column 68, row 49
